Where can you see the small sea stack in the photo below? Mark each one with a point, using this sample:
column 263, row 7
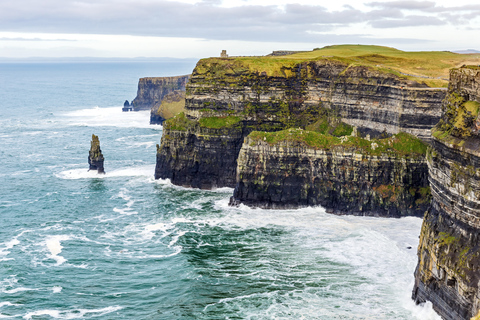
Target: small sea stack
column 95, row 156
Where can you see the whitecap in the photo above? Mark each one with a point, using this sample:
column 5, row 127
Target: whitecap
column 109, row 117
column 8, row 304
column 156, row 227
column 57, row 289
column 54, row 246
column 139, row 171
column 72, row 314
column 126, row 211
column 16, row 290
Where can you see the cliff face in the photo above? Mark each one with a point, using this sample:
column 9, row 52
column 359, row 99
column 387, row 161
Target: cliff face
column 448, row 271
column 372, row 100
column 199, row 154
column 344, row 175
column 151, row 91
column 285, row 95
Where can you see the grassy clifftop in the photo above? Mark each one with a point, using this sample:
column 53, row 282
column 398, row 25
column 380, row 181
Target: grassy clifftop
column 431, row 67
column 401, row 144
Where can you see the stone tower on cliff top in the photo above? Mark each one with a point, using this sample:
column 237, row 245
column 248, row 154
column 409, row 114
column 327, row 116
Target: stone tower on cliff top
column 95, row 156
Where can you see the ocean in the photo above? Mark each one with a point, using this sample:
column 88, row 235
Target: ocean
column 78, row 245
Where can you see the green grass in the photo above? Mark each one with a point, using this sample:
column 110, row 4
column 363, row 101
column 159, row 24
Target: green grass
column 446, row 238
column 178, row 123
column 402, row 144
column 219, row 122
column 458, row 119
column 172, row 104
column 417, row 65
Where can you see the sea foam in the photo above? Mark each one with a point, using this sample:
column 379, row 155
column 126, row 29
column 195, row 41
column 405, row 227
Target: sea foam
column 55, row 248
column 109, row 117
column 139, row 171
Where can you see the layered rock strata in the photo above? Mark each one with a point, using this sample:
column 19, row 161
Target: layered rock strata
column 344, row 175
column 152, row 90
column 448, row 270
column 292, row 95
column 95, row 156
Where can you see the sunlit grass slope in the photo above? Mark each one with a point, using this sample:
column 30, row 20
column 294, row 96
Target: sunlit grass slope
column 430, row 67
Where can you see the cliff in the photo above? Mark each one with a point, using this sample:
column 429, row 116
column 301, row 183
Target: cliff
column 448, row 270
column 297, row 168
column 151, row 91
column 171, row 105
column 276, row 93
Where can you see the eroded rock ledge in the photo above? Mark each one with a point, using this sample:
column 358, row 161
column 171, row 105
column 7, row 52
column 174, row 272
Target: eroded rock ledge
column 344, row 175
column 448, row 271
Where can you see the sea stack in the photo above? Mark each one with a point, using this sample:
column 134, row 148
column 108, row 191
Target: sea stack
column 95, row 156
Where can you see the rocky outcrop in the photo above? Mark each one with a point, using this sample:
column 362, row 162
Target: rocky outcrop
column 351, row 175
column 126, row 106
column 172, row 104
column 278, row 96
column 199, row 154
column 448, row 270
column 151, row 91
column 95, row 156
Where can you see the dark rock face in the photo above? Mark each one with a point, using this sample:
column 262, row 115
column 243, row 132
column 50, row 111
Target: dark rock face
column 199, row 157
column 448, row 270
column 126, row 106
column 151, row 91
column 340, row 179
column 95, row 156
column 156, row 119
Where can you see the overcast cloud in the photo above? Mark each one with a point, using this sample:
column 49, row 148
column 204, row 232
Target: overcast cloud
column 208, row 20
column 168, row 28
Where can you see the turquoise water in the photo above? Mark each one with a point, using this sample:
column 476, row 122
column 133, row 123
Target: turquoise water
column 76, row 245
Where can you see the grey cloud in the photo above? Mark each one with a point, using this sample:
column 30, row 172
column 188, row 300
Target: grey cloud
column 408, row 5
column 409, row 21
column 208, row 20
column 34, row 39
column 168, row 18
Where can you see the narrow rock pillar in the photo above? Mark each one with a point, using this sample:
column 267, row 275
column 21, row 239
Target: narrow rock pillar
column 95, row 156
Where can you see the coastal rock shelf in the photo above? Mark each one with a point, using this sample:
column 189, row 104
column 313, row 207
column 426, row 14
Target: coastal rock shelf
column 448, row 271
column 340, row 176
column 152, row 90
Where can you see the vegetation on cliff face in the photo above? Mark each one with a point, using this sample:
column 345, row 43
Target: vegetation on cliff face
column 171, row 105
column 460, row 119
column 219, row 122
column 179, row 123
column 459, row 116
column 330, row 123
column 428, row 67
column 399, row 145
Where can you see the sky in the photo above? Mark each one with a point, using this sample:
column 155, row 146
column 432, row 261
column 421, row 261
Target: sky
column 202, row 28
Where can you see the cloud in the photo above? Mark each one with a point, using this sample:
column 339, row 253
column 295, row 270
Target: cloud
column 407, row 5
column 209, row 20
column 176, row 19
column 409, row 21
column 33, row 39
